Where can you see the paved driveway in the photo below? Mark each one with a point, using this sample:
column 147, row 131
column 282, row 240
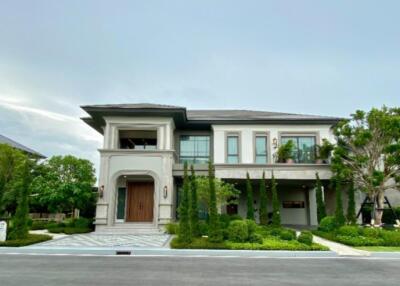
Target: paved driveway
column 109, row 240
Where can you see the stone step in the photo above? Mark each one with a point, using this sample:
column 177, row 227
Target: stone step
column 129, row 229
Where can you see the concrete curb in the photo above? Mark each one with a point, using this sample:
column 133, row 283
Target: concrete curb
column 162, row 252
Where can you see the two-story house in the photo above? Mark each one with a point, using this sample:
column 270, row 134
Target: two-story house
column 145, row 146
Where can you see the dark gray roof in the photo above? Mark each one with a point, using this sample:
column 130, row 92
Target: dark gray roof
column 134, row 106
column 226, row 114
column 12, row 143
column 199, row 119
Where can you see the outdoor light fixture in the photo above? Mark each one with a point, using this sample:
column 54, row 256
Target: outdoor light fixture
column 101, row 192
column 275, row 143
column 165, row 192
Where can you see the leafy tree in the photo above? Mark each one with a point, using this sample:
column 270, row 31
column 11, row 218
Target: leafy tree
column 339, row 216
column 10, row 159
column 321, row 211
column 65, row 183
column 194, row 208
column 184, row 233
column 368, row 153
column 20, row 221
column 351, row 205
column 224, row 191
column 249, row 191
column 263, row 202
column 276, row 215
column 214, row 232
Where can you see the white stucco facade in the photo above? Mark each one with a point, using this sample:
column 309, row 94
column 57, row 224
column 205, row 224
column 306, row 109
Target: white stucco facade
column 161, row 165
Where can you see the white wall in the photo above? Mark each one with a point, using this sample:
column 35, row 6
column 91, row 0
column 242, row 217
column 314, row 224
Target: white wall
column 247, row 137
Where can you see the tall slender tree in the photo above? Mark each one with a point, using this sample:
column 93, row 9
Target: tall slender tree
column 276, row 214
column 184, row 233
column 263, row 201
column 339, row 216
column 321, row 211
column 214, row 231
column 250, row 199
column 20, row 220
column 194, row 207
column 351, row 205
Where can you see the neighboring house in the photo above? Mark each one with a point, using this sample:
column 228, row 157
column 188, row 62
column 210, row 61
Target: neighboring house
column 12, row 143
column 145, row 145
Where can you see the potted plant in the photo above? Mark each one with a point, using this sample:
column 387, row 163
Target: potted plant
column 324, row 151
column 285, row 152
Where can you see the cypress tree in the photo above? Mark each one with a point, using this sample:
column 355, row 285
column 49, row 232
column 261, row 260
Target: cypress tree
column 250, row 199
column 194, row 208
column 339, row 216
column 263, row 201
column 351, row 206
column 321, row 211
column 214, row 231
column 184, row 226
column 20, row 220
column 276, row 215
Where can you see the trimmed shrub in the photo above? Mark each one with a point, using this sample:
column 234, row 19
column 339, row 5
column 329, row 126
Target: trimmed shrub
column 172, row 228
column 38, row 224
column 391, row 238
column 224, row 220
column 371, row 232
column 327, row 224
column 287, row 235
column 251, row 226
column 80, row 223
column 305, row 237
column 235, row 217
column 56, row 229
column 348, row 230
column 238, row 231
column 30, row 239
column 276, row 231
column 197, row 243
column 75, row 230
column 203, row 226
column 256, row 238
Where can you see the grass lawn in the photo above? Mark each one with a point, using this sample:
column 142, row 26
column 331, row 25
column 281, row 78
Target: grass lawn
column 380, row 248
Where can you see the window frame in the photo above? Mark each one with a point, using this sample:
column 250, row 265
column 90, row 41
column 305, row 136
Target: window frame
column 239, row 146
column 267, row 146
column 194, row 157
column 314, row 134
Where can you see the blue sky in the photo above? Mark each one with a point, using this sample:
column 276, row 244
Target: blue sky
column 313, row 57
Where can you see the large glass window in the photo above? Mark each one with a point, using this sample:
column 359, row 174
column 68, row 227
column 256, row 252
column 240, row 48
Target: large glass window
column 304, row 150
column 194, row 149
column 261, row 149
column 232, row 149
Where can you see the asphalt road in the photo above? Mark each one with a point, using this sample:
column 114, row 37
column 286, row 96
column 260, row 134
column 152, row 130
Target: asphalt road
column 21, row 270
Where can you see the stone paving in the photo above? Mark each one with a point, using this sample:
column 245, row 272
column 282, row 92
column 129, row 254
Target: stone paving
column 109, row 240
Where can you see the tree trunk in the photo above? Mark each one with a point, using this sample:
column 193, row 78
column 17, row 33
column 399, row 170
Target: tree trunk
column 379, row 208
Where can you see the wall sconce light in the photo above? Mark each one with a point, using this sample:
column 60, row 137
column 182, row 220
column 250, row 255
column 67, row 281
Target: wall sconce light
column 165, row 193
column 275, row 143
column 101, row 192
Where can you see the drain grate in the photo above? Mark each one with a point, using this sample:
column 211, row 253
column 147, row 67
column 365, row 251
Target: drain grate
column 123, row 252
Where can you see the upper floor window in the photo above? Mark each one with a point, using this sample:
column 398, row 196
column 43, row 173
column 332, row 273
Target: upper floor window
column 232, row 154
column 138, row 139
column 304, row 150
column 261, row 156
column 194, row 149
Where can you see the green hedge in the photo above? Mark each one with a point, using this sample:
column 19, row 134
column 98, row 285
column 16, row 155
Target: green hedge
column 358, row 236
column 31, row 239
column 267, row 244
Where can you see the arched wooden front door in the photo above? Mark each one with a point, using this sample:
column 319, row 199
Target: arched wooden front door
column 140, row 202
